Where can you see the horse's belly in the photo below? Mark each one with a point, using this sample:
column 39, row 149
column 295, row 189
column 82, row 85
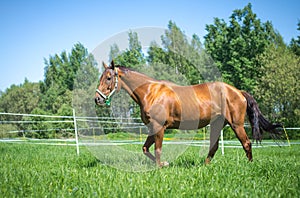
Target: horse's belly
column 189, row 124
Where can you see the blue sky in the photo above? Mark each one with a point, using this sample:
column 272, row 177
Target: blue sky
column 33, row 30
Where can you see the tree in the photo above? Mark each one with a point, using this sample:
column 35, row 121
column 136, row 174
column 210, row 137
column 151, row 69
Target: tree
column 114, row 52
column 85, row 83
column 21, row 99
column 176, row 45
column 133, row 56
column 183, row 56
column 234, row 47
column 60, row 75
column 278, row 89
column 295, row 43
column 40, row 128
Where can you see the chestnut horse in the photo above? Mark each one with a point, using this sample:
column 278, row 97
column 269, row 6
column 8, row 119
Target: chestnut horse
column 165, row 105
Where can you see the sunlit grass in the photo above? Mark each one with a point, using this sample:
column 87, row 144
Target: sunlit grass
column 30, row 170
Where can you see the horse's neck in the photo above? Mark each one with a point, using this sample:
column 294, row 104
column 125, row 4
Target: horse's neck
column 135, row 84
column 134, row 79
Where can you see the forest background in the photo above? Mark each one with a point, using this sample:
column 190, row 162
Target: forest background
column 250, row 55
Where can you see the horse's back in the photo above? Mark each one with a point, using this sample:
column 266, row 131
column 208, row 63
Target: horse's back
column 191, row 107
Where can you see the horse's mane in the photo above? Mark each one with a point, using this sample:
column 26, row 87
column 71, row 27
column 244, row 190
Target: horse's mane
column 123, row 68
column 127, row 70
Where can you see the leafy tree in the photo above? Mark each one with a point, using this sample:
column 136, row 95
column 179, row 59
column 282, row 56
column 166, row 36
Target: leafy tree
column 184, row 56
column 85, row 84
column 156, row 54
column 40, row 129
column 279, row 87
column 295, row 43
column 19, row 99
column 86, row 81
column 61, row 70
column 114, row 52
column 133, row 56
column 60, row 75
column 177, row 46
column 79, row 57
column 235, row 46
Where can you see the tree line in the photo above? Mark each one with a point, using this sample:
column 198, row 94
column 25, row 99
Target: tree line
column 244, row 52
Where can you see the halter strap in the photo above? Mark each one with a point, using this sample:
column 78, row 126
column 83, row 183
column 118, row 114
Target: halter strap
column 108, row 98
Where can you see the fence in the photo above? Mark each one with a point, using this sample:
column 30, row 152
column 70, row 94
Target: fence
column 28, row 125
column 25, row 124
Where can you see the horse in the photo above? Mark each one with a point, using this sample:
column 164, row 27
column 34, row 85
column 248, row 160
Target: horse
column 165, row 105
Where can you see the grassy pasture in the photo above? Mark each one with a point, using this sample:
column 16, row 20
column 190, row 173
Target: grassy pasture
column 31, row 170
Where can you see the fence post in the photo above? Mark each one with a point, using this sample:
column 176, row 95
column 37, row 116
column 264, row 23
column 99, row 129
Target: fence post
column 140, row 134
column 76, row 134
column 222, row 142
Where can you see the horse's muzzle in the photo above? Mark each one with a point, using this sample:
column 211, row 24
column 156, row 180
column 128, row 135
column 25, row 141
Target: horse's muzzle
column 99, row 101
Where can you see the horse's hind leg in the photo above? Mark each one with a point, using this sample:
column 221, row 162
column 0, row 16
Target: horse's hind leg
column 215, row 131
column 212, row 150
column 242, row 136
column 149, row 141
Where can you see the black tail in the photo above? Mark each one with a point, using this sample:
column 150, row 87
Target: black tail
column 258, row 122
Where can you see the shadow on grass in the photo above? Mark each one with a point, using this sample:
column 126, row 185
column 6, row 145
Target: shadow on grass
column 188, row 162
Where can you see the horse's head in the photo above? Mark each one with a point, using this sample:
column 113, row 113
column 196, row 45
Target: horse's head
column 108, row 85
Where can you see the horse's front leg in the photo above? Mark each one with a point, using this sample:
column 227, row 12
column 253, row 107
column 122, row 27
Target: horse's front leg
column 157, row 139
column 158, row 148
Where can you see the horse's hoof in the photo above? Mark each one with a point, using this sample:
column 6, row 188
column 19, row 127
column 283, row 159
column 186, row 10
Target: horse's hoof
column 164, row 164
column 207, row 161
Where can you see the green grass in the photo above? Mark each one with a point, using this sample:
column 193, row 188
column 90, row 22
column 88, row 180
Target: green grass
column 30, row 170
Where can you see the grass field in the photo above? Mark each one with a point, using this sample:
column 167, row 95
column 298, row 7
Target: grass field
column 31, row 170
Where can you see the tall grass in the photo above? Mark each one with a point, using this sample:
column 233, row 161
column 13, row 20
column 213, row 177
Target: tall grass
column 30, row 170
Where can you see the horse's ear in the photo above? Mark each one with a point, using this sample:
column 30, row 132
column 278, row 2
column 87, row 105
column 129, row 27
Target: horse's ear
column 112, row 64
column 104, row 65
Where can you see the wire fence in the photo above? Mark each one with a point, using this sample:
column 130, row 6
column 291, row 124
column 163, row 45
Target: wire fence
column 60, row 130
column 65, row 130
column 22, row 125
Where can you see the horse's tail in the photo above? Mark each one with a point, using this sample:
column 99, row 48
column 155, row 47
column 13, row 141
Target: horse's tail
column 258, row 121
